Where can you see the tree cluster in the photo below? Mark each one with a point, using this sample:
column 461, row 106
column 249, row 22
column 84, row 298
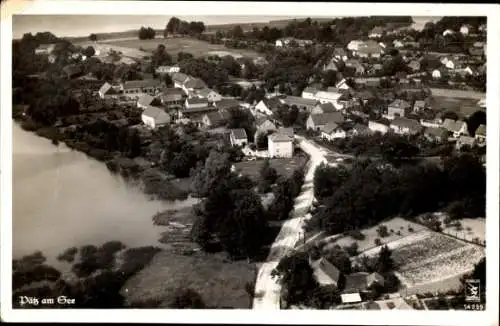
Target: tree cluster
column 287, row 189
column 146, row 33
column 182, row 27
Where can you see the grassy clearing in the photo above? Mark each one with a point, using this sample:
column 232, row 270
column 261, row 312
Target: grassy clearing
column 284, row 166
column 470, row 229
column 220, row 283
column 104, row 48
column 173, row 46
column 400, row 229
column 458, row 93
column 464, row 107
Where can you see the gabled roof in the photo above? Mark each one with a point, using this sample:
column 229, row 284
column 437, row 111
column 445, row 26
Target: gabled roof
column 287, row 131
column 350, row 297
column 239, row 133
column 227, row 103
column 356, row 282
column 261, row 120
column 218, row 116
column 374, row 277
column 330, row 127
column 377, row 30
column 398, row 103
column 325, row 272
column 196, row 100
column 194, row 83
column 309, row 89
column 324, row 118
column 141, row 83
column 361, row 128
column 160, row 116
column 145, row 99
column 172, row 94
column 205, row 92
column 339, row 52
column 179, row 77
column 420, row 104
column 328, row 107
column 481, row 130
column 202, row 109
column 452, row 125
column 72, row 70
column 467, row 140
column 298, row 101
column 411, row 124
column 436, row 132
column 280, row 136
column 106, row 89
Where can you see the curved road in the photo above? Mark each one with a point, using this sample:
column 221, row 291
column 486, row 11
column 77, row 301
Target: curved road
column 267, row 289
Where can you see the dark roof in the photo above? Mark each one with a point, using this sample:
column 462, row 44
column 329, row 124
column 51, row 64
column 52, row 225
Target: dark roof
column 196, row 100
column 402, row 104
column 436, row 132
column 239, row 133
column 179, row 77
column 158, row 114
column 356, row 282
column 406, row 123
column 199, row 110
column 72, row 70
column 195, row 83
column 106, row 89
column 218, row 116
column 339, row 52
column 227, row 104
column 298, row 101
column 145, row 99
column 329, row 269
column 328, row 107
column 330, row 127
column 324, row 118
column 141, row 83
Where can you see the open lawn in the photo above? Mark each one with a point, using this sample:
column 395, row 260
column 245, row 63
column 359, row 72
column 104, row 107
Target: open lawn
column 399, row 229
column 457, row 93
column 284, row 166
column 464, row 107
column 470, row 229
column 220, row 283
column 173, row 46
column 102, row 50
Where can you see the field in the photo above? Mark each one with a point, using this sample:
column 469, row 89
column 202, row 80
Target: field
column 103, row 48
column 471, row 229
column 457, row 93
column 220, row 283
column 462, row 106
column 284, row 166
column 396, row 224
column 174, row 45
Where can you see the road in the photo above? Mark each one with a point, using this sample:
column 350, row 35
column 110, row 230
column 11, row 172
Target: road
column 267, row 290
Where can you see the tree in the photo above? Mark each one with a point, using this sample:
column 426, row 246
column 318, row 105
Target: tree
column 93, row 37
column 450, row 115
column 239, row 118
column 205, row 177
column 268, row 176
column 184, row 298
column 327, row 179
column 237, row 32
column 182, row 56
column 160, row 57
column 172, row 26
column 89, row 52
column 475, row 120
column 385, row 263
column 146, row 33
column 261, row 140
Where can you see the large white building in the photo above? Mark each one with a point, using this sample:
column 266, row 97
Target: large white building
column 280, row 144
column 154, row 117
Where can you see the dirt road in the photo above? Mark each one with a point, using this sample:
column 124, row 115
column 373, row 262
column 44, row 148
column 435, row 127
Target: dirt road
column 267, row 289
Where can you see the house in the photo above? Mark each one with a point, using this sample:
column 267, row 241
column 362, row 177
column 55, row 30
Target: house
column 378, row 127
column 144, row 101
column 369, row 49
column 179, row 79
column 309, row 93
column 332, row 131
column 465, row 29
column 397, row 44
column 436, row 74
column 433, row 123
column 238, row 137
column 264, row 125
column 289, row 41
column 398, row 108
column 458, row 127
column 465, row 141
column 360, row 130
column 73, row 71
column 449, row 63
column 414, row 65
column 280, row 143
column 479, row 45
column 227, row 104
column 359, row 69
column 167, row 69
column 193, row 84
column 266, row 106
column 448, row 32
column 215, row 119
column 135, row 88
column 404, row 126
column 192, row 103
column 332, row 65
column 126, row 61
column 481, row 135
column 362, row 281
column 350, row 298
column 324, row 108
column 419, row 106
column 329, row 97
column 376, row 32
column 354, row 45
column 318, row 121
column 109, row 91
column 154, row 117
column 45, row 48
column 342, row 84
column 196, row 114
column 172, row 97
column 325, row 272
column 340, row 54
column 438, row 135
column 211, row 95
column 365, row 96
column 299, row 102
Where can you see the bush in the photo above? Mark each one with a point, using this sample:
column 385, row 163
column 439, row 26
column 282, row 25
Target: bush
column 378, row 242
column 382, row 231
column 410, row 229
column 356, row 234
column 68, row 255
column 352, row 249
column 398, row 232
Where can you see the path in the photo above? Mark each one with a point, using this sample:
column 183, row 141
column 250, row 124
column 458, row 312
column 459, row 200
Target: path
column 267, row 290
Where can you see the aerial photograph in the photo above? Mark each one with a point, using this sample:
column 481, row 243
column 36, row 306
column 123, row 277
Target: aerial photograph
column 249, row 162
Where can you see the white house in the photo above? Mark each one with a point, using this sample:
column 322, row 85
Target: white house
column 309, row 93
column 458, row 127
column 154, row 117
column 194, row 103
column 332, row 131
column 354, row 45
column 179, row 79
column 397, row 44
column 378, row 127
column 436, row 74
column 266, row 106
column 448, row 32
column 340, row 54
column 109, row 91
column 238, row 137
column 167, row 69
column 280, row 143
column 209, row 94
column 328, row 97
column 376, row 32
column 405, row 126
column 465, row 141
column 465, row 29
column 481, row 134
column 193, row 84
column 342, row 84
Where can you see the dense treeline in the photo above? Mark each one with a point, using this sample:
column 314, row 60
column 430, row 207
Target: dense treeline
column 373, row 191
column 182, row 27
column 146, row 33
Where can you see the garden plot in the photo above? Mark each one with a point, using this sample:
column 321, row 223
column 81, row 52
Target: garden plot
column 470, row 229
column 401, row 229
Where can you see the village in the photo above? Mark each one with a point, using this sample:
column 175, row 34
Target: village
column 383, row 89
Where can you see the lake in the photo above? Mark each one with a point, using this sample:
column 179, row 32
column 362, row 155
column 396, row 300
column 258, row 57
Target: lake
column 62, row 198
